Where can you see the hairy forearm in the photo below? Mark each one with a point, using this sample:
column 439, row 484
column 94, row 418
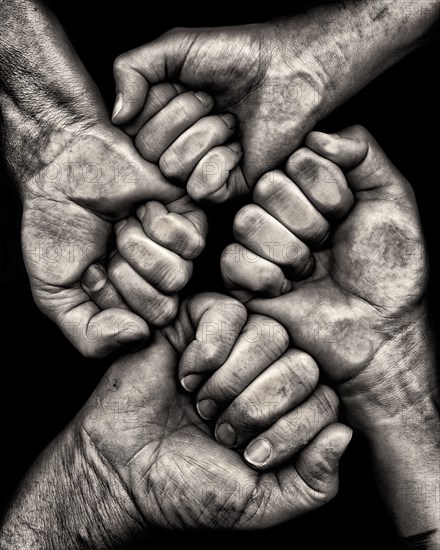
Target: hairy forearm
column 400, row 421
column 70, row 500
column 44, row 87
column 353, row 42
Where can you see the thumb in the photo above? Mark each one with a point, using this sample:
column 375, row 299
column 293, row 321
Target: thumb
column 318, row 463
column 211, row 323
column 136, row 70
column 308, row 484
column 369, row 172
column 93, row 332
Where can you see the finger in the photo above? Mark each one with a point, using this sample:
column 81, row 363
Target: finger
column 143, row 298
column 179, row 226
column 279, row 389
column 218, row 320
column 293, row 431
column 135, row 70
column 282, row 199
column 261, row 342
column 180, row 159
column 217, row 177
column 322, row 181
column 257, row 230
column 158, row 97
column 160, row 267
column 168, row 124
column 97, row 286
column 310, row 483
column 369, row 172
column 242, row 268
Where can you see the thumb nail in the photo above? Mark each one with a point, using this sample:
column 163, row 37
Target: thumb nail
column 94, row 278
column 119, row 225
column 339, row 445
column 119, row 104
column 205, row 99
column 133, row 332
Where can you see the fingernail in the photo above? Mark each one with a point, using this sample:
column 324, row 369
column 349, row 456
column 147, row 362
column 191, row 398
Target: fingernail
column 324, row 239
column 236, row 147
column 336, row 136
column 191, row 381
column 258, row 452
column 229, row 120
column 339, row 447
column 119, row 225
column 207, row 409
column 119, row 103
column 133, row 333
column 309, row 267
column 225, row 434
column 204, row 99
column 94, row 278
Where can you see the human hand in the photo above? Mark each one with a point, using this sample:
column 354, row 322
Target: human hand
column 163, row 452
column 155, row 247
column 364, row 300
column 279, row 78
column 241, row 67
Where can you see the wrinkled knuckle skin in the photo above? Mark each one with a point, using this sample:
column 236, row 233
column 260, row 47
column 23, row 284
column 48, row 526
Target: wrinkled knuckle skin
column 246, row 220
column 266, row 187
column 327, row 401
column 301, row 369
column 170, row 164
column 224, row 389
column 303, row 164
column 247, row 415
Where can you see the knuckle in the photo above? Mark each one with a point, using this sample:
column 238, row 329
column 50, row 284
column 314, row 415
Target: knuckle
column 267, row 186
column 246, row 220
column 300, row 374
column 177, row 277
column 120, row 62
column 170, row 164
column 247, row 413
column 302, row 164
column 223, row 387
column 327, row 402
column 316, row 232
column 269, row 279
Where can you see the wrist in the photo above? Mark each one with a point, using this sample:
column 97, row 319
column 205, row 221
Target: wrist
column 400, row 379
column 70, row 500
column 348, row 44
column 44, row 88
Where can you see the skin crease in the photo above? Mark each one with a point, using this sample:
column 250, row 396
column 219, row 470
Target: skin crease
column 141, row 454
column 278, row 78
column 366, row 298
column 365, row 289
column 112, row 208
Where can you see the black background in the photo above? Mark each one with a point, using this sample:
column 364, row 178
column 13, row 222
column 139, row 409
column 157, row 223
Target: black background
column 45, row 381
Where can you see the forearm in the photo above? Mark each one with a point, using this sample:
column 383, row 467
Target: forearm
column 44, row 87
column 70, row 500
column 399, row 419
column 355, row 41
